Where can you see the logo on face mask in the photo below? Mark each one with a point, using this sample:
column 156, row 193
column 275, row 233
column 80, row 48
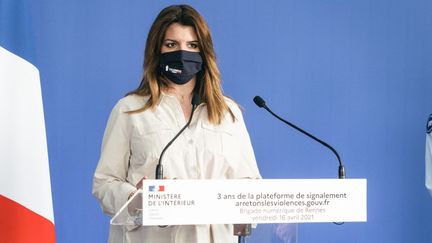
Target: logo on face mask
column 180, row 66
column 172, row 70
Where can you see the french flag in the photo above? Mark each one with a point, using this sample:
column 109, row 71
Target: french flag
column 26, row 211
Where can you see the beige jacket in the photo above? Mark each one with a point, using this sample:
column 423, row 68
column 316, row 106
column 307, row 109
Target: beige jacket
column 131, row 147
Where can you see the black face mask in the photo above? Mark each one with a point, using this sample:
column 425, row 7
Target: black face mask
column 180, row 66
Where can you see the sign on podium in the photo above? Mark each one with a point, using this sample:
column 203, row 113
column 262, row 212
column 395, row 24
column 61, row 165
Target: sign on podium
column 245, row 201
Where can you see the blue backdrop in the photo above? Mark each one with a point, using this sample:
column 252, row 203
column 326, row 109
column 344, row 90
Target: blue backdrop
column 358, row 74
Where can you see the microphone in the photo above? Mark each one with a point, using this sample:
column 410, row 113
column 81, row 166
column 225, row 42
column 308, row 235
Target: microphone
column 159, row 168
column 261, row 103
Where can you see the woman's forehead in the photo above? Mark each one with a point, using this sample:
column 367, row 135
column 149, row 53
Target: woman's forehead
column 177, row 31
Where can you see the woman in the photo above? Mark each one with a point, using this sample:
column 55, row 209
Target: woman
column 179, row 61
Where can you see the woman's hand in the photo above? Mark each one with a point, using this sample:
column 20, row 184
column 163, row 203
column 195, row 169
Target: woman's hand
column 139, row 185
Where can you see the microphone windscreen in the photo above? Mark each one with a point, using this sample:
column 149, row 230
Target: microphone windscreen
column 259, row 101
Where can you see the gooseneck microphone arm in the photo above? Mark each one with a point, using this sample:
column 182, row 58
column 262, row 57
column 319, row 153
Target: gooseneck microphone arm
column 159, row 167
column 261, row 103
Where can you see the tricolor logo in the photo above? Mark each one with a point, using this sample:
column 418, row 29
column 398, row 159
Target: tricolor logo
column 159, row 188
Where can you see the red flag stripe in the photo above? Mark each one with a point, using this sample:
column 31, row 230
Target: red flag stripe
column 21, row 225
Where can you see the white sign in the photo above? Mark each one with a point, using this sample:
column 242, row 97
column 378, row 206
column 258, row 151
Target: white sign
column 182, row 202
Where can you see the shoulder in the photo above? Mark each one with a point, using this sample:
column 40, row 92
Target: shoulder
column 131, row 102
column 233, row 106
column 234, row 109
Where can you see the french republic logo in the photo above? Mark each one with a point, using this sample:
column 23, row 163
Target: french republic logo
column 159, row 188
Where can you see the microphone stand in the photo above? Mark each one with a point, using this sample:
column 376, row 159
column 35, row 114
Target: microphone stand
column 242, row 230
column 159, row 167
column 341, row 171
column 261, row 103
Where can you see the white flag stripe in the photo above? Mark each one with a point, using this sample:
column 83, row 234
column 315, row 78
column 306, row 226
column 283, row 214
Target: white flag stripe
column 24, row 173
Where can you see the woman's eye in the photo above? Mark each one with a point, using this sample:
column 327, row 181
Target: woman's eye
column 170, row 45
column 193, row 46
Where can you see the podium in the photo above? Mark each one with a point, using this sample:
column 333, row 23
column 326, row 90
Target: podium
column 245, row 201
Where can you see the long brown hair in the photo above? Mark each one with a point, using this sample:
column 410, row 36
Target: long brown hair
column 208, row 83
